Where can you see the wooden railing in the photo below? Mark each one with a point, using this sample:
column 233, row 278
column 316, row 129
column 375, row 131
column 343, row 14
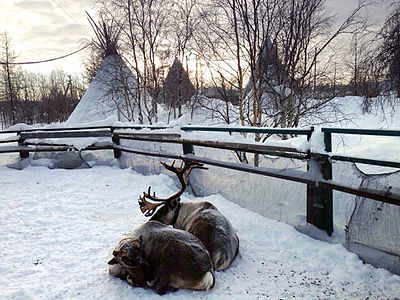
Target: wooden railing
column 319, row 190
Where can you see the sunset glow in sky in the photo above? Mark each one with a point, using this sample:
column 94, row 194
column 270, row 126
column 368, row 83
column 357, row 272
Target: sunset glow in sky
column 43, row 29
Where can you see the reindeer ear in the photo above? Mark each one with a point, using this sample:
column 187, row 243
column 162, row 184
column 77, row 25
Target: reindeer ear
column 113, row 261
column 140, row 239
column 174, row 202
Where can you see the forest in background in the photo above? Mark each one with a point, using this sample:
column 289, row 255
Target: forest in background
column 276, row 61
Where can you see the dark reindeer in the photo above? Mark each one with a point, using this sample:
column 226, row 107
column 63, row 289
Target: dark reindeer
column 201, row 219
column 163, row 258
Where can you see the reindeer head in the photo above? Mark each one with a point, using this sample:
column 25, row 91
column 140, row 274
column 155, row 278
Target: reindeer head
column 169, row 206
column 129, row 255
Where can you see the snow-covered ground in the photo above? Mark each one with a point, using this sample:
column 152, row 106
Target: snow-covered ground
column 59, row 227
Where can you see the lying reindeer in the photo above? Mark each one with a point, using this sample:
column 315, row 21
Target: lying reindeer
column 169, row 258
column 201, row 219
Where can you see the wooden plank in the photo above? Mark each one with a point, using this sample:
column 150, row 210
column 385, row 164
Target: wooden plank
column 377, row 132
column 383, row 196
column 291, row 175
column 149, row 135
column 54, row 129
column 139, row 127
column 353, row 159
column 303, row 177
column 136, row 127
column 11, row 140
column 64, row 134
column 375, row 162
column 248, row 129
column 147, row 153
column 14, row 149
column 11, row 149
column 234, row 146
column 241, row 146
column 44, row 144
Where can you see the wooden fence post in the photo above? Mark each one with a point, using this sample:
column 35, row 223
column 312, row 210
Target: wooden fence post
column 188, row 148
column 116, row 140
column 319, row 199
column 22, row 153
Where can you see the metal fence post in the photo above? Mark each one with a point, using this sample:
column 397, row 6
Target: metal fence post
column 116, row 140
column 22, row 153
column 319, row 199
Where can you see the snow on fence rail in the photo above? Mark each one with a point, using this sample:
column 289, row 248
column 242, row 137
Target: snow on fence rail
column 319, row 184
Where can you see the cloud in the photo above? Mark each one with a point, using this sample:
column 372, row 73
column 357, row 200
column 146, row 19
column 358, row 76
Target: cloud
column 45, row 29
column 33, row 5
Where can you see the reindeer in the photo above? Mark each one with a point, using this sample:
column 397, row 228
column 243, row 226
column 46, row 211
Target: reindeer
column 168, row 258
column 201, row 219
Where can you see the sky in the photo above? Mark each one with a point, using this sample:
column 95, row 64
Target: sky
column 43, row 29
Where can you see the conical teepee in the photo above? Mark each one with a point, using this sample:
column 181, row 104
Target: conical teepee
column 177, row 87
column 114, row 92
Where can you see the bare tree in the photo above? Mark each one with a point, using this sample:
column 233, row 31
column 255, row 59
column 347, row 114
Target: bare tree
column 276, row 45
column 7, row 56
column 388, row 56
column 116, row 80
column 184, row 24
column 92, row 64
column 144, row 30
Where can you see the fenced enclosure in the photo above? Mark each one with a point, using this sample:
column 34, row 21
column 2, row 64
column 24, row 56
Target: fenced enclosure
column 317, row 176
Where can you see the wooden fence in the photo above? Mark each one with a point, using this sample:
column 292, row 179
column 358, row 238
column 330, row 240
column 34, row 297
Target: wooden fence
column 319, row 190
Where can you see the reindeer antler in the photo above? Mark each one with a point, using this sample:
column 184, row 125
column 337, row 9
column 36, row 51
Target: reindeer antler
column 183, row 173
column 148, row 208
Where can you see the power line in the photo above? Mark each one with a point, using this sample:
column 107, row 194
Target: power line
column 73, row 19
column 46, row 60
column 56, row 58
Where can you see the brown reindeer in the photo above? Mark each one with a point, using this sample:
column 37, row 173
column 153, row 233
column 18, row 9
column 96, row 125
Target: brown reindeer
column 163, row 258
column 201, row 219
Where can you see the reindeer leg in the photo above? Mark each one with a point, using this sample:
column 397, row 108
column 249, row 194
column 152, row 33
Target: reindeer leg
column 132, row 281
column 161, row 287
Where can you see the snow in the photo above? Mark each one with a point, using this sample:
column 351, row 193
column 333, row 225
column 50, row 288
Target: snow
column 19, row 126
column 381, row 116
column 277, row 199
column 7, row 138
column 317, row 144
column 59, row 228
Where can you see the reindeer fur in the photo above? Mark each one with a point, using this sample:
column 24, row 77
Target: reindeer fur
column 168, row 257
column 206, row 222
